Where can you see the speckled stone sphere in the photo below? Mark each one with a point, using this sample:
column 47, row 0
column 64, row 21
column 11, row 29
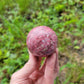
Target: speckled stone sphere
column 42, row 41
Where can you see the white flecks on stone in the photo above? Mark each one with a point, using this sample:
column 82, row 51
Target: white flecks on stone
column 37, row 48
column 42, row 45
column 44, row 49
column 52, row 42
column 47, row 35
column 43, row 41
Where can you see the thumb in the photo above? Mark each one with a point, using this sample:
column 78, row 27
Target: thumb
column 51, row 66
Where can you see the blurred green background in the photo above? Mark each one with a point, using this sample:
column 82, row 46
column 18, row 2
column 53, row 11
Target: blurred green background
column 65, row 17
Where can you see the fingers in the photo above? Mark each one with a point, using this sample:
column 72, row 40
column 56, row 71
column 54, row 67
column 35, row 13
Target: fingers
column 51, row 68
column 32, row 65
column 56, row 63
column 50, row 65
column 35, row 60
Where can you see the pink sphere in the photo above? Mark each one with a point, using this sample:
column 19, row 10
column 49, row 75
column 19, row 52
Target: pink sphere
column 42, row 41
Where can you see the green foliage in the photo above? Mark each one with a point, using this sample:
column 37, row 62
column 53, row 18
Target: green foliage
column 18, row 17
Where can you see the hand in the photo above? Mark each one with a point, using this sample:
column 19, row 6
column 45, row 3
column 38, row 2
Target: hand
column 31, row 73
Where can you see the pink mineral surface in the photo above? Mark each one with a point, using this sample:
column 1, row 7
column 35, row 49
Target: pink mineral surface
column 42, row 41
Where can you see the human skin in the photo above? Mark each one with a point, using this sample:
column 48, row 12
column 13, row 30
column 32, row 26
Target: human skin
column 32, row 73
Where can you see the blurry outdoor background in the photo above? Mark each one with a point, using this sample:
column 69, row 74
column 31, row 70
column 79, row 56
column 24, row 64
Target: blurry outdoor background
column 65, row 17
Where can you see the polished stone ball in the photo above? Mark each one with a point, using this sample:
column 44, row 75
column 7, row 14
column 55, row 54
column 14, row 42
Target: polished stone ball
column 42, row 41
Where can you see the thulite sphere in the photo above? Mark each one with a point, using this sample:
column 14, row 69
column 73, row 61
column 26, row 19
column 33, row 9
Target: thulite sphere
column 42, row 41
